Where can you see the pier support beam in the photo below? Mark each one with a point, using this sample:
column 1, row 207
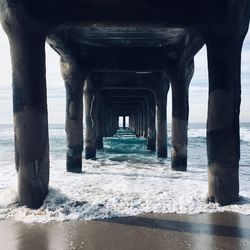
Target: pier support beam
column 180, row 111
column 161, row 114
column 74, row 83
column 223, row 141
column 100, row 130
column 124, row 122
column 30, row 116
column 108, row 121
column 151, row 138
column 91, row 100
column 145, row 119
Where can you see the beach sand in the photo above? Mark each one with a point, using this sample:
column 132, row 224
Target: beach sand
column 150, row 231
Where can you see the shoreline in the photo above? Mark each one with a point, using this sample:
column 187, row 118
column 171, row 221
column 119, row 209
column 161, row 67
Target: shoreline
column 224, row 230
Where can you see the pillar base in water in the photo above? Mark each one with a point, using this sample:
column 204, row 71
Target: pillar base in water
column 179, row 158
column 90, row 153
column 179, row 163
column 74, row 159
column 223, row 181
column 163, row 153
column 74, row 164
column 99, row 144
column 151, row 147
column 32, row 193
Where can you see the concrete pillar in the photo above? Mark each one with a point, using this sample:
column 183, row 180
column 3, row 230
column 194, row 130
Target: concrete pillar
column 161, row 121
column 74, row 83
column 131, row 122
column 113, row 124
column 141, row 121
column 117, row 122
column 223, row 140
column 100, row 129
column 138, row 124
column 180, row 110
column 145, row 119
column 105, row 120
column 124, row 122
column 111, row 129
column 108, row 122
column 30, row 116
column 99, row 142
column 134, row 122
column 151, row 140
column 91, row 119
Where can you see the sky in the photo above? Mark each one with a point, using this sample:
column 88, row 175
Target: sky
column 198, row 97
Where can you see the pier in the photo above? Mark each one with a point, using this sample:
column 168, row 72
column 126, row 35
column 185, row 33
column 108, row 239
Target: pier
column 119, row 59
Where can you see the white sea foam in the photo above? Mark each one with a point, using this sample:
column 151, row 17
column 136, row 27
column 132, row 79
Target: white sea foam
column 125, row 180
column 245, row 134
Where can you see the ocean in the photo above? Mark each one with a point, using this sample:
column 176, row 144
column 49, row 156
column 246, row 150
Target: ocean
column 126, row 179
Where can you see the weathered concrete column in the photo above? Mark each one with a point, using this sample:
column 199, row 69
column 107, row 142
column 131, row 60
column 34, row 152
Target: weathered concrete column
column 132, row 122
column 74, row 83
column 138, row 124
column 108, row 122
column 113, row 124
column 100, row 129
column 91, row 97
column 135, row 122
column 99, row 142
column 223, row 140
column 151, row 142
column 116, row 123
column 105, row 119
column 180, row 111
column 141, row 122
column 124, row 122
column 145, row 119
column 30, row 116
column 111, row 130
column 161, row 114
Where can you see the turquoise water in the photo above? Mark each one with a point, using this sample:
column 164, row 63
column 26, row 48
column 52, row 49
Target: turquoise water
column 126, row 179
column 125, row 146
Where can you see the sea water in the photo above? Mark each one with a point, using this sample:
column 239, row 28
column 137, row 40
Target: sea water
column 126, row 179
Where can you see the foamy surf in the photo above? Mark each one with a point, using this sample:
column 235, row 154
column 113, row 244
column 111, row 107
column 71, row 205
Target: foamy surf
column 125, row 180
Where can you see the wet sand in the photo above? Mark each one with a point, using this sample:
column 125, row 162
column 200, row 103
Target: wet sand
column 151, row 231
